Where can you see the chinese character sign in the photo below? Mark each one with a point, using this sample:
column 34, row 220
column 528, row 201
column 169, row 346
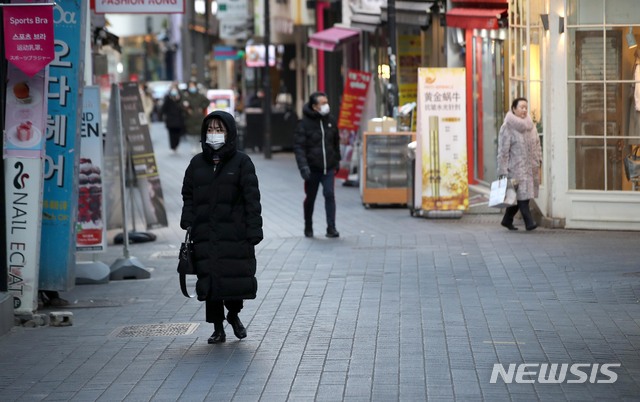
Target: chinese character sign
column 442, row 169
column 28, row 37
column 353, row 98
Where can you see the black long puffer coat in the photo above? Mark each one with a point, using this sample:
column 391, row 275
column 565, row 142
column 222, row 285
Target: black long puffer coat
column 222, row 206
column 317, row 142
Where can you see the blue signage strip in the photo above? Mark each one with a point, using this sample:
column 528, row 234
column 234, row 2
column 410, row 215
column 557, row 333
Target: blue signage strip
column 60, row 198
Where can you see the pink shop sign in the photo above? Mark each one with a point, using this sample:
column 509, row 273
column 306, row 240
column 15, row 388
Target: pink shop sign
column 28, row 36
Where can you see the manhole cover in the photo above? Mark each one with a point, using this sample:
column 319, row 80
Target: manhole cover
column 166, row 254
column 155, row 330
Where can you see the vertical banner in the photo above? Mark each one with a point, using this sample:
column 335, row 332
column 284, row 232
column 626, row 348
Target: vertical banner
column 59, row 208
column 140, row 150
column 111, row 173
column 441, row 168
column 409, row 60
column 353, row 99
column 90, row 226
column 23, row 151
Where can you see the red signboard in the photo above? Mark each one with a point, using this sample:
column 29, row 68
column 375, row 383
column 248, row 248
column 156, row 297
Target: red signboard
column 353, row 98
column 28, row 36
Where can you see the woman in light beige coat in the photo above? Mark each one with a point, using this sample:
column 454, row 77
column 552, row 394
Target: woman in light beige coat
column 519, row 159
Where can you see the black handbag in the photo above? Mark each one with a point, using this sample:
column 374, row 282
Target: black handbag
column 186, row 265
column 632, row 165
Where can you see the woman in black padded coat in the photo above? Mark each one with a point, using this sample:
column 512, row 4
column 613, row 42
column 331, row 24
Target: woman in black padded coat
column 222, row 206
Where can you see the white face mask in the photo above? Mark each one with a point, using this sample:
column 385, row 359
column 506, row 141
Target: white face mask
column 215, row 141
column 324, row 109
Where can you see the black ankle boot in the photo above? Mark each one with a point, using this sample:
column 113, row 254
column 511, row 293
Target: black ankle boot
column 218, row 335
column 308, row 231
column 238, row 329
column 529, row 223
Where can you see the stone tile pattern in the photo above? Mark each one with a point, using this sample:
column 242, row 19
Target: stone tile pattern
column 397, row 308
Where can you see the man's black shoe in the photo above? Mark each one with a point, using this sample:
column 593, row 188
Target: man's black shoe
column 532, row 227
column 509, row 226
column 238, row 329
column 217, row 337
column 332, row 232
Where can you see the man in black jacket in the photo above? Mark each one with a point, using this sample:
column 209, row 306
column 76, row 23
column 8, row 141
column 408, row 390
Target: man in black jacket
column 222, row 207
column 317, row 149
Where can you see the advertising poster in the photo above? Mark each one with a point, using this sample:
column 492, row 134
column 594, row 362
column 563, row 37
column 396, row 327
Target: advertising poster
column 23, row 165
column 140, row 150
column 90, row 225
column 353, row 100
column 23, row 192
column 221, row 99
column 441, row 154
column 64, row 107
column 25, row 132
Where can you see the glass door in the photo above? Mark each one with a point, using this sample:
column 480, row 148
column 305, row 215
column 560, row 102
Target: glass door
column 488, row 101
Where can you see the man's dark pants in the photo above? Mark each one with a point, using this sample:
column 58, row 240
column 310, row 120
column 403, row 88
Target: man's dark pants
column 311, row 190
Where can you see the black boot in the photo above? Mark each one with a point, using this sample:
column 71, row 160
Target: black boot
column 308, row 230
column 332, row 232
column 529, row 223
column 238, row 329
column 218, row 335
column 507, row 219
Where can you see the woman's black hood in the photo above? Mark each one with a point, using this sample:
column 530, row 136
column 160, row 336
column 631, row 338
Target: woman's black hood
column 230, row 145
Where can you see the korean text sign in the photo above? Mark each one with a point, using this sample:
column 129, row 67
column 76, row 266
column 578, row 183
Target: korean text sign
column 28, row 36
column 60, row 198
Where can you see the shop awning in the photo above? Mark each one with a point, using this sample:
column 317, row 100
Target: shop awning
column 476, row 18
column 365, row 20
column 410, row 13
column 331, row 38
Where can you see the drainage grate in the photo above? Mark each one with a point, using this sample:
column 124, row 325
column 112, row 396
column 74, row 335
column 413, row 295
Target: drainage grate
column 155, row 330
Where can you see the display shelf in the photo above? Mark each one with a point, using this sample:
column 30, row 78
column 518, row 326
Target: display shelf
column 384, row 171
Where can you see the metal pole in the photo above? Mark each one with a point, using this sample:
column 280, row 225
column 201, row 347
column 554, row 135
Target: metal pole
column 266, row 107
column 123, row 187
column 392, row 51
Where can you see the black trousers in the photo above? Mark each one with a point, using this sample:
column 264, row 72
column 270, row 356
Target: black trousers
column 311, row 190
column 511, row 211
column 174, row 137
column 215, row 309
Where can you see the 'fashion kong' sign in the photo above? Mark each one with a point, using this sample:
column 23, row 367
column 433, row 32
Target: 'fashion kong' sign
column 60, row 199
column 441, row 153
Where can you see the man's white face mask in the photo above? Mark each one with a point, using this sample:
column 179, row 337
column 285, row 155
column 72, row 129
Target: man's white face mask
column 215, row 141
column 324, row 109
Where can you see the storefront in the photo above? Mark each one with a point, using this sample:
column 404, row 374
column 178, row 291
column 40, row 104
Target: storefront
column 586, row 55
column 478, row 41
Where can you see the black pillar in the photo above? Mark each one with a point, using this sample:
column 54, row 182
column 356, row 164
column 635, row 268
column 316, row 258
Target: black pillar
column 266, row 107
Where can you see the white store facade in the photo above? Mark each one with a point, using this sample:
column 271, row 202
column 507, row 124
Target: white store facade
column 575, row 61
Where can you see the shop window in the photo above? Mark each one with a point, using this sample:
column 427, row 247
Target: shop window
column 526, row 54
column 603, row 121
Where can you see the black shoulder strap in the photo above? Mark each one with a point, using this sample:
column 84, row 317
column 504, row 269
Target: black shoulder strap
column 183, row 286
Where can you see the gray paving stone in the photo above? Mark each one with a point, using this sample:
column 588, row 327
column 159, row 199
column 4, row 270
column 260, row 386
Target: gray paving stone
column 397, row 308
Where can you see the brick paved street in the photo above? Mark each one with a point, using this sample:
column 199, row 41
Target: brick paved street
column 397, row 309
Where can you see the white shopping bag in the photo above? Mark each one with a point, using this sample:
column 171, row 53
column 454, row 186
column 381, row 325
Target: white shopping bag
column 502, row 194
